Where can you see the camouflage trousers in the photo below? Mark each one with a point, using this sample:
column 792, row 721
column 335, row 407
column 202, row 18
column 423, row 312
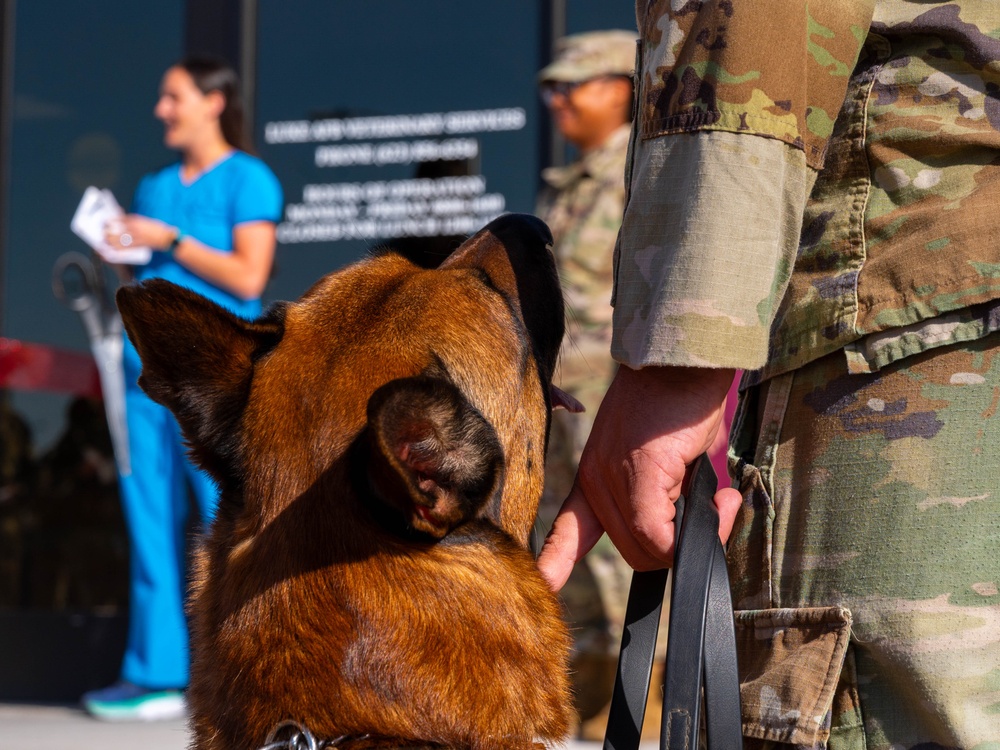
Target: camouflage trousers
column 866, row 557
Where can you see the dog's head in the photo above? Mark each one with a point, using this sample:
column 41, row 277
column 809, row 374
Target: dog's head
column 380, row 447
column 432, row 384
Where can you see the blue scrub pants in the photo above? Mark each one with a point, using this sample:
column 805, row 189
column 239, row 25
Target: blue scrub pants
column 156, row 505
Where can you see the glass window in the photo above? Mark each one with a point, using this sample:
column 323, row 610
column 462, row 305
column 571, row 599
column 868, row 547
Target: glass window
column 85, row 82
column 84, row 90
column 394, row 122
column 591, row 15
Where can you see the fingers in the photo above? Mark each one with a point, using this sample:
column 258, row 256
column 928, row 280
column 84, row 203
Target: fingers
column 118, row 240
column 112, row 230
column 574, row 533
column 727, row 502
column 652, row 424
column 120, row 233
column 643, row 527
column 645, row 542
column 577, row 529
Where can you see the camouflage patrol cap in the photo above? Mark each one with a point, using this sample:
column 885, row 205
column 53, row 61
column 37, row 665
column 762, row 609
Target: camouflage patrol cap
column 591, row 54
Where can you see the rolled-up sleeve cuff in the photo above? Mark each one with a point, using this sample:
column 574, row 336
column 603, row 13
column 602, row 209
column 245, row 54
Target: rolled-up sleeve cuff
column 706, row 248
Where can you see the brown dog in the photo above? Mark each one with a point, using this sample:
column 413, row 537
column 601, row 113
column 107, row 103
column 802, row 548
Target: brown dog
column 379, row 445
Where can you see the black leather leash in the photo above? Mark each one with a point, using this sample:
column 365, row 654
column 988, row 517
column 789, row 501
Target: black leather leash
column 701, row 646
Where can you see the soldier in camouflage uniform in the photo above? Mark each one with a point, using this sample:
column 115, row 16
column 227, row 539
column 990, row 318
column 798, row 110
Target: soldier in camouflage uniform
column 588, row 89
column 828, row 219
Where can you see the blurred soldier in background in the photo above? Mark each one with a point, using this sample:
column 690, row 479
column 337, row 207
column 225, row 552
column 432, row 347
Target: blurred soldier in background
column 588, row 90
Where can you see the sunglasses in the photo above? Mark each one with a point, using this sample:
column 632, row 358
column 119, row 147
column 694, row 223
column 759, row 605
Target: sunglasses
column 549, row 89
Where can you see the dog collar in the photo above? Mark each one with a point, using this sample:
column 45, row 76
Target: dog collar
column 290, row 735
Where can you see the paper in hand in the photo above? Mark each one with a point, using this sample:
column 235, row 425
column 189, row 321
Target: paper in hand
column 97, row 209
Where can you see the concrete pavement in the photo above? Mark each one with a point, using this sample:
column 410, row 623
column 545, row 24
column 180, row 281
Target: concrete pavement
column 34, row 727
column 62, row 727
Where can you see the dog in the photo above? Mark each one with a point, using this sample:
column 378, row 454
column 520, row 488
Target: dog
column 379, row 447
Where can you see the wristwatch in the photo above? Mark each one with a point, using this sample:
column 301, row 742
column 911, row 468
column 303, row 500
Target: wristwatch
column 178, row 239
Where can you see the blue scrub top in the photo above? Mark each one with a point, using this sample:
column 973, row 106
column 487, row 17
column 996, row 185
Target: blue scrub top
column 238, row 189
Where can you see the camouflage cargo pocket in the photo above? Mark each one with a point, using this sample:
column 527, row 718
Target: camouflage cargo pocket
column 796, row 669
column 791, row 661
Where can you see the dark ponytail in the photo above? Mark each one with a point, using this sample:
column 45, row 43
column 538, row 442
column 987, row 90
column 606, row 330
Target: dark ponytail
column 212, row 74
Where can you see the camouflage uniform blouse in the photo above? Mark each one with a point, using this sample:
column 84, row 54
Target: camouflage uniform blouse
column 582, row 204
column 864, row 215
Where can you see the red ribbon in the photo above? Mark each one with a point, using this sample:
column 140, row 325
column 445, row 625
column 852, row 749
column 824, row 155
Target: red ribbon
column 34, row 367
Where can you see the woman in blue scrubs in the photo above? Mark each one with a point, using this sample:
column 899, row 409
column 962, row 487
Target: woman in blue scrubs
column 210, row 219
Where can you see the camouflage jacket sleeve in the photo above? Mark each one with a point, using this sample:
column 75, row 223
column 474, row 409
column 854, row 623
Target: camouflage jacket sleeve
column 712, row 218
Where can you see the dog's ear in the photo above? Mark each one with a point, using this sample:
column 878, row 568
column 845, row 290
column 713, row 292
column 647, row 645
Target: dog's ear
column 432, row 455
column 197, row 360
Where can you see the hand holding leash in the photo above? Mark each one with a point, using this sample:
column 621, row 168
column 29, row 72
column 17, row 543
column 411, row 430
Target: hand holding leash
column 653, row 423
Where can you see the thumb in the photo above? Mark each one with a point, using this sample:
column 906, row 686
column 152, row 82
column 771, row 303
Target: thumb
column 574, row 533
